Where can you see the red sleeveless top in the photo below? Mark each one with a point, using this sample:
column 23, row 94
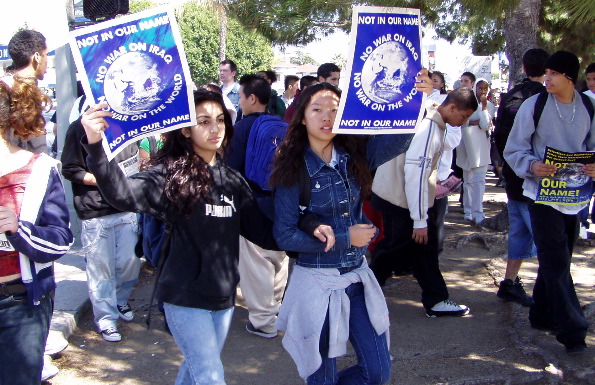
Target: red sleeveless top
column 12, row 190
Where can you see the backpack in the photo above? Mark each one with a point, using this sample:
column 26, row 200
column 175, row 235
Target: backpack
column 266, row 134
column 509, row 107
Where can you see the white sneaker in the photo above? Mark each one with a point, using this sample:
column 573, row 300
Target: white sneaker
column 447, row 308
column 582, row 232
column 111, row 334
column 49, row 370
column 55, row 343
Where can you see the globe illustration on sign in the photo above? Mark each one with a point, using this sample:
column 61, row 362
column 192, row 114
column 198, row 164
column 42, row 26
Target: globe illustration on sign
column 384, row 73
column 573, row 175
column 132, row 84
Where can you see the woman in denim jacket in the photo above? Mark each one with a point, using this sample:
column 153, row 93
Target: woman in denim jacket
column 332, row 295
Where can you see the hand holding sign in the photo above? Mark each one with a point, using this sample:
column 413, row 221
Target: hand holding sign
column 423, row 83
column 93, row 120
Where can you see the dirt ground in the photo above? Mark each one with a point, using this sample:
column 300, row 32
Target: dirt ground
column 492, row 345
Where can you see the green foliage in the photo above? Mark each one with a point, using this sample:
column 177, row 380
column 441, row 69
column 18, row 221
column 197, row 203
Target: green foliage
column 558, row 34
column 140, row 5
column 301, row 58
column 303, row 21
column 199, row 27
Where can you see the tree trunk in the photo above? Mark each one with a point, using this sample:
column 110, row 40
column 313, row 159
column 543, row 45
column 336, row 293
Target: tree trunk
column 222, row 29
column 520, row 31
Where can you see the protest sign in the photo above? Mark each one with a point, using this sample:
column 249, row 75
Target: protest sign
column 569, row 185
column 384, row 58
column 137, row 65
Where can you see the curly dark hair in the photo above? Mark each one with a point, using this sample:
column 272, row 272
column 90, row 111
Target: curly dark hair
column 187, row 175
column 23, row 45
column 290, row 153
column 27, row 105
column 4, row 110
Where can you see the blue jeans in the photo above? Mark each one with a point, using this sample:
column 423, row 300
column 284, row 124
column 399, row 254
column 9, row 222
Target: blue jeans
column 112, row 267
column 520, row 235
column 23, row 331
column 373, row 359
column 200, row 335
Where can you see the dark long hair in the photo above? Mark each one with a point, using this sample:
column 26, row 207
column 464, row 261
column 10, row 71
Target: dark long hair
column 187, row 175
column 441, row 76
column 290, row 153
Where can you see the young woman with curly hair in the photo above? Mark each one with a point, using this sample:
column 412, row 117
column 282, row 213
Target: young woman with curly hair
column 332, row 295
column 34, row 231
column 208, row 205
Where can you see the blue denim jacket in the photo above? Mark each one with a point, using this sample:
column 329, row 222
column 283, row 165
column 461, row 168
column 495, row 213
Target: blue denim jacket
column 335, row 200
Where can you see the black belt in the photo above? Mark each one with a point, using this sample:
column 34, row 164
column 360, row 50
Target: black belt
column 11, row 289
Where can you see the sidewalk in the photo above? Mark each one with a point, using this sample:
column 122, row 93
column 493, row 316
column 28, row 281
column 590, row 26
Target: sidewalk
column 493, row 345
column 72, row 296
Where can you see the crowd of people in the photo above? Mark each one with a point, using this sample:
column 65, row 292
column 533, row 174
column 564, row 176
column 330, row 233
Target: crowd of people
column 260, row 180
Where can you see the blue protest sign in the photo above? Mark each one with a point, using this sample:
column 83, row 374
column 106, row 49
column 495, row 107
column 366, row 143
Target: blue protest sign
column 137, row 65
column 4, row 52
column 384, row 58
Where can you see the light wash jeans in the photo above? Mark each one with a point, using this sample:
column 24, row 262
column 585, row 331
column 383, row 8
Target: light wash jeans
column 474, row 186
column 112, row 267
column 200, row 335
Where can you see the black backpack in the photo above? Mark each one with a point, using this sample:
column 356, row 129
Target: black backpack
column 508, row 109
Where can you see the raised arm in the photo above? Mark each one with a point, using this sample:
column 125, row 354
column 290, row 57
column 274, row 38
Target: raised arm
column 142, row 192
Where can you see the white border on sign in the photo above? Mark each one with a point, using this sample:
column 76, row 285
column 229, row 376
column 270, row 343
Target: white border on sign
column 125, row 19
column 351, row 57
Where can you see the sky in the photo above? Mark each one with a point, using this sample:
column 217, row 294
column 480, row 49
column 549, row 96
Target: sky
column 45, row 16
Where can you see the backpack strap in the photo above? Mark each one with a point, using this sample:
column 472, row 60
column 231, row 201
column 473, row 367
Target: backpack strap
column 588, row 105
column 539, row 106
column 542, row 100
column 152, row 146
column 305, row 184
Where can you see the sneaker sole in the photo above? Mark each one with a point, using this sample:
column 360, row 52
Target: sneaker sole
column 125, row 318
column 112, row 338
column 447, row 314
column 506, row 298
column 261, row 334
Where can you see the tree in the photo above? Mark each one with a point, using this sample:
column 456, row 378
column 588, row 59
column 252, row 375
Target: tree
column 301, row 58
column 204, row 43
column 302, row 21
column 512, row 26
column 247, row 48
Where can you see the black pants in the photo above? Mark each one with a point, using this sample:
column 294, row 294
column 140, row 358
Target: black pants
column 440, row 206
column 398, row 245
column 555, row 302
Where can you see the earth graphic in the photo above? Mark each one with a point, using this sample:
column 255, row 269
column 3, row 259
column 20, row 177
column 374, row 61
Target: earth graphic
column 573, row 175
column 384, row 73
column 132, row 84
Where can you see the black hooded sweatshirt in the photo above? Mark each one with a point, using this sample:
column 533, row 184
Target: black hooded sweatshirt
column 201, row 263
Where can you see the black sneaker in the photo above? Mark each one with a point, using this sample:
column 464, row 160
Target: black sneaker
column 514, row 291
column 126, row 312
column 257, row 332
column 576, row 348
